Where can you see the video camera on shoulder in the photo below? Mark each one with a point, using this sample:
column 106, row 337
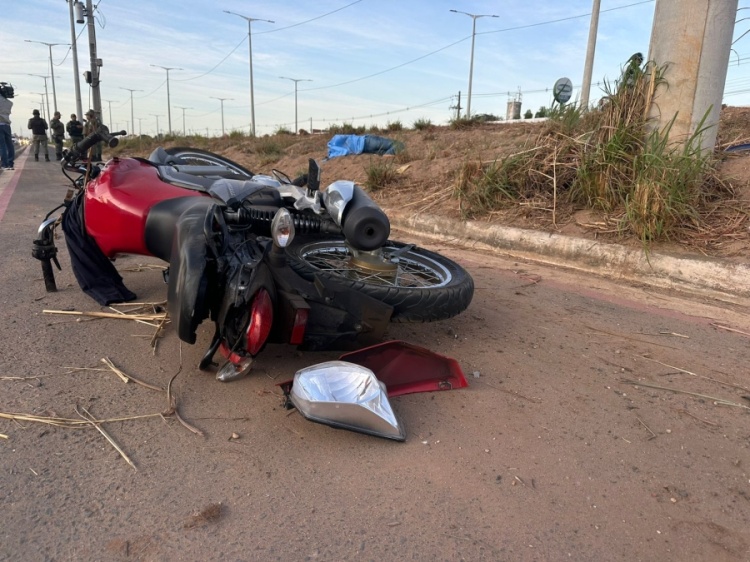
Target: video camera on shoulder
column 6, row 90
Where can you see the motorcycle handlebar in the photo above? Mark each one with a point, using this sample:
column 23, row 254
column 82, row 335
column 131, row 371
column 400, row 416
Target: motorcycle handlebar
column 101, row 135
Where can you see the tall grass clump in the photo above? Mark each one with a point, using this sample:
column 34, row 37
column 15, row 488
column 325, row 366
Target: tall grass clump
column 610, row 158
column 423, row 124
column 668, row 185
column 346, row 129
column 394, row 126
column 380, row 173
column 460, row 123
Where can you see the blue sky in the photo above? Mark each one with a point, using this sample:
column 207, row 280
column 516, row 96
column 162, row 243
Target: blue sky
column 368, row 61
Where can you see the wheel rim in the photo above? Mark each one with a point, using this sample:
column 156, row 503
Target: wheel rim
column 199, row 159
column 413, row 270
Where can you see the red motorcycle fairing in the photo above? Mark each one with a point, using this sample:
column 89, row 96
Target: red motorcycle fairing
column 117, row 203
column 405, row 368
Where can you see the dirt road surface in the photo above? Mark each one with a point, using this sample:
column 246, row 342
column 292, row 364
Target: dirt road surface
column 549, row 454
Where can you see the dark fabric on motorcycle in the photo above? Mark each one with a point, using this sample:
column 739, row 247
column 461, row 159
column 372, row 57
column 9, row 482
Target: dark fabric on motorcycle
column 94, row 272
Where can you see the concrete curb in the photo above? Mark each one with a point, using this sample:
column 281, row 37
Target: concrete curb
column 719, row 279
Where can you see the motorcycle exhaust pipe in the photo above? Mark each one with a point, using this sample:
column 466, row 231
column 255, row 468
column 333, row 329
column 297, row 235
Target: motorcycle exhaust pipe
column 362, row 221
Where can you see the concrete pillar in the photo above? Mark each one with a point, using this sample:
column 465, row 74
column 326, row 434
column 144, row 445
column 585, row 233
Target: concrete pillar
column 694, row 37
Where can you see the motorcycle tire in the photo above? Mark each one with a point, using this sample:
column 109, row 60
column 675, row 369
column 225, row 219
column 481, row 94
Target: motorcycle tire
column 198, row 157
column 427, row 287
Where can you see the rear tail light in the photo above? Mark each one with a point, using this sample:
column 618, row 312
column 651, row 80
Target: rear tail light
column 261, row 319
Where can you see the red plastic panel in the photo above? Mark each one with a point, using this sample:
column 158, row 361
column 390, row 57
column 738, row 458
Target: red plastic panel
column 407, row 368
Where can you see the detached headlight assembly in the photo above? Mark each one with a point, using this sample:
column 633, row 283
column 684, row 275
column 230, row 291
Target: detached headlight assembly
column 346, row 396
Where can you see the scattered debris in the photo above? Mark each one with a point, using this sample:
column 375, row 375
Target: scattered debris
column 727, row 328
column 653, row 435
column 717, row 401
column 147, row 318
column 729, row 384
column 209, row 514
column 683, row 411
column 126, row 378
column 86, row 415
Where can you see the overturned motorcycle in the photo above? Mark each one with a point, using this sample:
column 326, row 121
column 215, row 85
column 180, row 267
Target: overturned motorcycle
column 266, row 258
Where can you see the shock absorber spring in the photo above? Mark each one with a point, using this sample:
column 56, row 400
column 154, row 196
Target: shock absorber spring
column 260, row 220
column 305, row 224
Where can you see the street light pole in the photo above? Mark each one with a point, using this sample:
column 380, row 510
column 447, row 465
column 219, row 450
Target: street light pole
column 41, row 103
column 184, row 134
column 51, row 66
column 250, row 52
column 109, row 103
column 222, row 112
column 169, row 109
column 132, row 121
column 295, row 80
column 157, row 123
column 46, row 93
column 474, row 18
column 76, row 78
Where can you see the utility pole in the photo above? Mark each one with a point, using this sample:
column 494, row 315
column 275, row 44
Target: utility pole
column 295, row 80
column 169, row 109
column 109, row 102
column 140, row 135
column 157, row 123
column 222, row 113
column 184, row 134
column 96, row 95
column 76, row 76
column 588, row 67
column 474, row 18
column 41, row 103
column 132, row 121
column 49, row 115
column 51, row 67
column 457, row 107
column 695, row 83
column 250, row 52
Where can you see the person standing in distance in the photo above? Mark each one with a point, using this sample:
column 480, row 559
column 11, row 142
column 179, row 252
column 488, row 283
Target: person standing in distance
column 92, row 125
column 7, row 151
column 38, row 128
column 75, row 129
column 58, row 134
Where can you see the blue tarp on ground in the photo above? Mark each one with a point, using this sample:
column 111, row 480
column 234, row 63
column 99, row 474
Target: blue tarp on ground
column 341, row 145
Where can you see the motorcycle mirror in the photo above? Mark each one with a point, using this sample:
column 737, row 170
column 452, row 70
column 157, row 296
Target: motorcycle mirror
column 345, row 396
column 313, row 175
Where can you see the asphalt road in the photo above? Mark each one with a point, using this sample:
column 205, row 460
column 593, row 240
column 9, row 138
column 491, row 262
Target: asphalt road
column 549, row 454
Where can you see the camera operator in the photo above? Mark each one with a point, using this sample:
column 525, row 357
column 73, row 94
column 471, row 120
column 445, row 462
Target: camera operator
column 7, row 151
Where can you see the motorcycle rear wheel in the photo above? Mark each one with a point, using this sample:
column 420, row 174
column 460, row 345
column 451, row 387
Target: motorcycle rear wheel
column 198, row 157
column 425, row 287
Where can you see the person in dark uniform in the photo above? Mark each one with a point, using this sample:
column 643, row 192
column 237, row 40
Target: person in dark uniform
column 38, row 128
column 58, row 134
column 75, row 129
